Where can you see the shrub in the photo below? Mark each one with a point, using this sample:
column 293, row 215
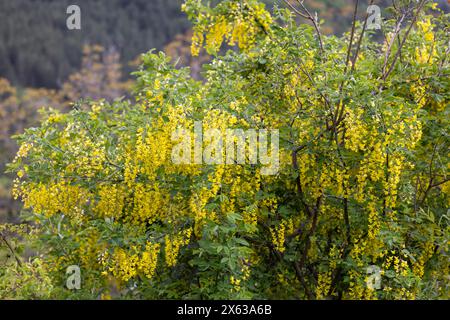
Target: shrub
column 362, row 182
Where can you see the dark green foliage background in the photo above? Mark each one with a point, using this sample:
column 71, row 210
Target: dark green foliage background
column 37, row 49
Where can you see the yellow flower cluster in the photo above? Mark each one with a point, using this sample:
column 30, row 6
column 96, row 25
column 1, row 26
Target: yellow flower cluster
column 291, row 86
column 250, row 215
column 24, row 149
column 197, row 204
column 395, row 259
column 149, row 203
column 278, row 234
column 426, row 27
column 125, row 265
column 325, row 279
column 236, row 28
column 374, row 220
column 214, row 37
column 111, row 202
column 88, row 153
column 419, row 265
column 427, row 52
column 173, row 245
column 358, row 250
column 57, row 197
column 236, row 281
column 151, row 151
column 131, row 170
column 149, row 259
column 234, row 183
column 395, row 170
column 197, row 42
column 356, row 131
column 90, row 249
column 358, row 289
column 243, row 34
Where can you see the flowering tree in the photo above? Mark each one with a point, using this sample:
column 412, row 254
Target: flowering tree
column 357, row 209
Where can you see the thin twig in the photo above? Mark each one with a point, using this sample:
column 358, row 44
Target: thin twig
column 397, row 54
column 315, row 23
column 2, row 236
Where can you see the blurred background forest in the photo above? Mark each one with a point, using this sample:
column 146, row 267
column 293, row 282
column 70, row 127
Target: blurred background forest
column 43, row 64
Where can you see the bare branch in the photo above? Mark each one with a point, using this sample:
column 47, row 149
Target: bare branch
column 397, row 54
column 358, row 47
column 3, row 237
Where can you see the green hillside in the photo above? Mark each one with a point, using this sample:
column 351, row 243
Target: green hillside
column 37, row 49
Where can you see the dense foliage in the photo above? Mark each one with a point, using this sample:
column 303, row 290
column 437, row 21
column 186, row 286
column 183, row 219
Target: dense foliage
column 99, row 77
column 363, row 177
